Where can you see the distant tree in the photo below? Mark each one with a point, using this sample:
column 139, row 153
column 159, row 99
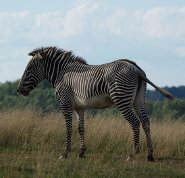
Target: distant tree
column 43, row 97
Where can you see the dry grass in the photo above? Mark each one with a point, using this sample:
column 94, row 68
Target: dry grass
column 31, row 142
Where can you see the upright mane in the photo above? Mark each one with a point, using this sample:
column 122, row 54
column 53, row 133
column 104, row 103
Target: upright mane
column 58, row 51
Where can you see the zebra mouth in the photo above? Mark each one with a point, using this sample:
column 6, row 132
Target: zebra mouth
column 23, row 92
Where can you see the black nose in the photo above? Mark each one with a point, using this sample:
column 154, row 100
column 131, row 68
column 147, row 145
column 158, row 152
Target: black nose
column 18, row 90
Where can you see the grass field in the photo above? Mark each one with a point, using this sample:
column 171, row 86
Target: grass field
column 31, row 143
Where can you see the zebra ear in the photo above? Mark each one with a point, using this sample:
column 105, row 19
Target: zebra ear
column 43, row 54
column 32, row 54
column 39, row 56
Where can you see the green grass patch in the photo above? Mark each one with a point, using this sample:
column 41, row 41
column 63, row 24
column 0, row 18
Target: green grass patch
column 31, row 143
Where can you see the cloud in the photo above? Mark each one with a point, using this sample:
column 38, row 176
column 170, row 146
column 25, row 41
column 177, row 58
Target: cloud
column 12, row 62
column 50, row 25
column 20, row 31
column 11, row 70
column 11, row 23
column 163, row 22
column 181, row 51
column 89, row 17
column 124, row 23
column 94, row 27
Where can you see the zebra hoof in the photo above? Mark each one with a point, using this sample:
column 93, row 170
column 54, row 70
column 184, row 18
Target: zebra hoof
column 61, row 157
column 80, row 156
column 129, row 158
column 64, row 156
column 150, row 158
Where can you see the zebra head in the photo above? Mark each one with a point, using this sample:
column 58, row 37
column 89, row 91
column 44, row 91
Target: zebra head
column 33, row 74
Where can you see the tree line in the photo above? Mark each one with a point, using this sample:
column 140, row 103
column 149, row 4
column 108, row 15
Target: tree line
column 43, row 97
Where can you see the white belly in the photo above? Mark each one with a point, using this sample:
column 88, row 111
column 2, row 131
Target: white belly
column 92, row 103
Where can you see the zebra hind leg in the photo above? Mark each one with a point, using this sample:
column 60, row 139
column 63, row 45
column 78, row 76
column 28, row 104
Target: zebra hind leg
column 146, row 127
column 139, row 106
column 130, row 116
column 80, row 117
column 135, row 125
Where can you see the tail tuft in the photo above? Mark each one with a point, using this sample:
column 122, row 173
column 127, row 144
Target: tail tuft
column 163, row 91
column 166, row 94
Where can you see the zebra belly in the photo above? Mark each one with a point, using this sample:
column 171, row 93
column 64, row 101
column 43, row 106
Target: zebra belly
column 96, row 102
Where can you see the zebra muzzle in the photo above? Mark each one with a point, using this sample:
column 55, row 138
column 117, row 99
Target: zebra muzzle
column 22, row 92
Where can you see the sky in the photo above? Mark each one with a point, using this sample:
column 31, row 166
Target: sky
column 151, row 33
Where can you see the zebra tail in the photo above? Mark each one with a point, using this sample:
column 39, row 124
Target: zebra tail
column 162, row 91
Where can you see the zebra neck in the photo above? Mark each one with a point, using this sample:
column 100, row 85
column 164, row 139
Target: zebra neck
column 54, row 68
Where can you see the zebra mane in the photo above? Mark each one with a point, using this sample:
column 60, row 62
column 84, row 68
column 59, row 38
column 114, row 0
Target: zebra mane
column 57, row 52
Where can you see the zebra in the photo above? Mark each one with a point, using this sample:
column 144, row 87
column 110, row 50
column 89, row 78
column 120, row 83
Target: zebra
column 78, row 86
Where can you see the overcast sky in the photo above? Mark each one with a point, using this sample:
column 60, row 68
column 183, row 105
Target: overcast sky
column 150, row 32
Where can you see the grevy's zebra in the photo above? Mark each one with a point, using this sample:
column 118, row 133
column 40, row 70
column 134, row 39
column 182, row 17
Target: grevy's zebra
column 79, row 86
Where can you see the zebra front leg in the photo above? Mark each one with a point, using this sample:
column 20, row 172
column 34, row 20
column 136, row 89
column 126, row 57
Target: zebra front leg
column 68, row 117
column 63, row 95
column 80, row 117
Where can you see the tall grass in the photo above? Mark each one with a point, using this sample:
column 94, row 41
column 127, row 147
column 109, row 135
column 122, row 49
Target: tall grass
column 31, row 143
